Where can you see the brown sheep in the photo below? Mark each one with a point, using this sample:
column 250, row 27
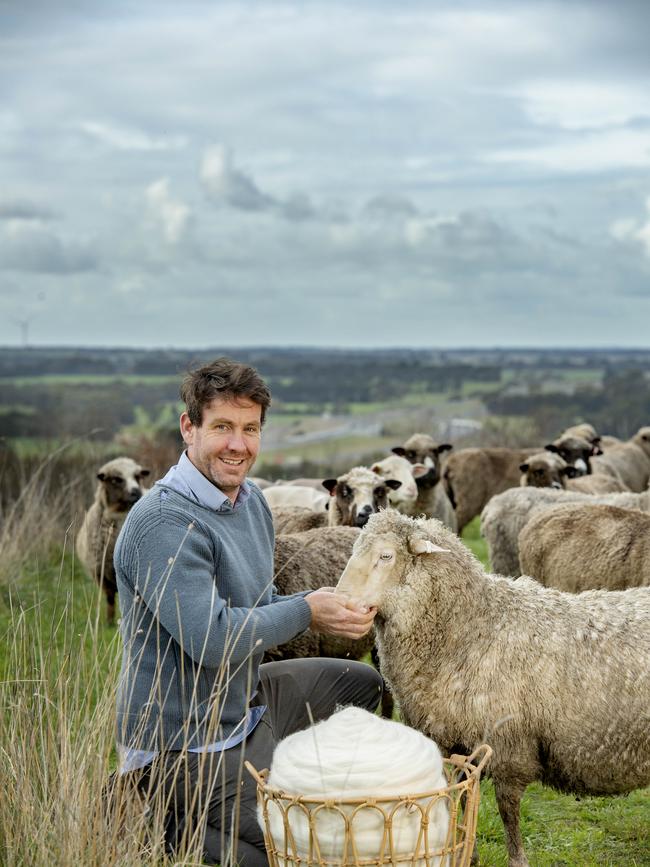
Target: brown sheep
column 120, row 486
column 579, row 547
column 548, row 470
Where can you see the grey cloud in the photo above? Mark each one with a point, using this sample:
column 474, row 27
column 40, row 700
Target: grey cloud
column 226, row 184
column 22, row 209
column 37, row 250
column 389, row 206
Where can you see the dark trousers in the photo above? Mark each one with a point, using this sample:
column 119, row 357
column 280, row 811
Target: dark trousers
column 211, row 798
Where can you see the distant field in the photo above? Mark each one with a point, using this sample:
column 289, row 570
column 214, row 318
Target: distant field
column 92, row 379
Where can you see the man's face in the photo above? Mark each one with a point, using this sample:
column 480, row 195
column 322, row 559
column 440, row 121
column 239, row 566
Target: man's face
column 225, row 445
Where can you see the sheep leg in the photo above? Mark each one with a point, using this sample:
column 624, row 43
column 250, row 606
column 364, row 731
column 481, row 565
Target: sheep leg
column 508, row 797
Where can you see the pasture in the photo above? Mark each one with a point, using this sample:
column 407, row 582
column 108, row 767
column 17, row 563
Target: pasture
column 58, row 668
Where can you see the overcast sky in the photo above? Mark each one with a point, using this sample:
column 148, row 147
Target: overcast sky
column 325, row 173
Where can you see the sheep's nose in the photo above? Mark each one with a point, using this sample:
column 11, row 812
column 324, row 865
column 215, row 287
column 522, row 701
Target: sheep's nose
column 134, row 496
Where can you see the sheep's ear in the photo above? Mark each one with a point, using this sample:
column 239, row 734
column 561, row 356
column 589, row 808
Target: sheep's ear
column 398, row 450
column 393, row 484
column 419, row 470
column 424, row 546
column 524, row 467
column 595, row 441
column 445, row 447
column 330, row 484
column 101, row 476
column 595, row 450
column 551, row 447
column 570, row 472
column 375, row 469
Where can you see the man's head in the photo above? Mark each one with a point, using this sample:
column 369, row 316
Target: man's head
column 226, row 403
column 222, row 379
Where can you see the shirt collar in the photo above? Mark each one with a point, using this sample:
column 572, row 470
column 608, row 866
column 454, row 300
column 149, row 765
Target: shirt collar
column 186, row 479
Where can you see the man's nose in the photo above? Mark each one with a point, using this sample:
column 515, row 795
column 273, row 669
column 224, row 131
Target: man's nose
column 236, row 441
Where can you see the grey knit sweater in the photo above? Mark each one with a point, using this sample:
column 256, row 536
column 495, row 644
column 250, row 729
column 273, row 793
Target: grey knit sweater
column 198, row 612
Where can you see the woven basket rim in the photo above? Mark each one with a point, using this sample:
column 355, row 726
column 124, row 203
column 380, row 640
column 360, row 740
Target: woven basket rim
column 459, row 763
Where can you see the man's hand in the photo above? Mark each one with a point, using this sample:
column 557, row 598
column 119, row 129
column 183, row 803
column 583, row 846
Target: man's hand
column 336, row 615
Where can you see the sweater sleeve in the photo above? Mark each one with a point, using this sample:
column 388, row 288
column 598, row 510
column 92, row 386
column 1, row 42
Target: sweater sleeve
column 173, row 562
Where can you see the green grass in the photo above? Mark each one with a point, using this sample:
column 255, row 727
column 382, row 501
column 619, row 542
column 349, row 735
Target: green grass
column 92, row 379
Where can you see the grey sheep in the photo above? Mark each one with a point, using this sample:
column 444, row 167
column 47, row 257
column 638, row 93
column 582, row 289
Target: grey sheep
column 628, row 461
column 587, row 547
column 309, row 561
column 120, row 486
column 433, row 500
column 507, row 514
column 557, row 684
column 548, row 470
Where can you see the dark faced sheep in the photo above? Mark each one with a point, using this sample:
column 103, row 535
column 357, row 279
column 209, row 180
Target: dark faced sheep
column 433, row 500
column 558, row 684
column 120, row 486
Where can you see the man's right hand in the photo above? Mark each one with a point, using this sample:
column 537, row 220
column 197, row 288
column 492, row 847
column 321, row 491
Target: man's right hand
column 334, row 615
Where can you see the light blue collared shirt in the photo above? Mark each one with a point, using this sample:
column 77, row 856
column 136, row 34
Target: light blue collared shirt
column 186, row 479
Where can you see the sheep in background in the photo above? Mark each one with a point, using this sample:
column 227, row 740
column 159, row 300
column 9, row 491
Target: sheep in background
column 354, row 496
column 628, row 461
column 548, row 470
column 433, row 500
column 557, row 684
column 395, row 467
column 472, row 476
column 120, row 486
column 507, row 514
column 584, row 547
column 295, row 496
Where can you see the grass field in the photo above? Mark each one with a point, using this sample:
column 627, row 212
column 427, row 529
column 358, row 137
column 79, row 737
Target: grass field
column 58, row 665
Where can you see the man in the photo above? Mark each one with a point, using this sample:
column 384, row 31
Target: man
column 194, row 565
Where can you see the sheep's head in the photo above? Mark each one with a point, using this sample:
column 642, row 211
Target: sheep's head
column 575, row 451
column 121, row 484
column 383, row 554
column 357, row 494
column 401, row 470
column 546, row 470
column 422, row 449
column 642, row 439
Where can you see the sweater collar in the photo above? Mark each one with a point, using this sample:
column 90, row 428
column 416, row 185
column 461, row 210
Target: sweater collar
column 186, row 479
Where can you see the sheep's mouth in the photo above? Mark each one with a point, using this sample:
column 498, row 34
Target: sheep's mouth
column 361, row 520
column 430, row 480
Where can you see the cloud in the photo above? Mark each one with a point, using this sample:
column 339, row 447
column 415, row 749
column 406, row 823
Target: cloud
column 26, row 247
column 224, row 183
column 629, row 231
column 22, row 209
column 123, row 139
column 576, row 104
column 172, row 216
column 389, row 206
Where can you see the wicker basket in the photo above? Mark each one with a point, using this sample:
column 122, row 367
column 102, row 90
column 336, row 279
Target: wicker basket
column 460, row 798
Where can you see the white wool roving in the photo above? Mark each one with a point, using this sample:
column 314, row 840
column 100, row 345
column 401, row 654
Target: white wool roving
column 355, row 754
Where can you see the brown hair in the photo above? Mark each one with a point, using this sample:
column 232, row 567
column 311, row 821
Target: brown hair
column 225, row 379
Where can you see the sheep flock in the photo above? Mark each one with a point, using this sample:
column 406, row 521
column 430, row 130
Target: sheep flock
column 546, row 657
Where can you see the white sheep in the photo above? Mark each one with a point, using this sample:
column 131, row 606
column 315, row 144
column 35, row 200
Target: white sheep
column 506, row 515
column 628, row 461
column 580, row 547
column 557, row 684
column 395, row 467
column 120, row 486
column 355, row 754
column 296, row 496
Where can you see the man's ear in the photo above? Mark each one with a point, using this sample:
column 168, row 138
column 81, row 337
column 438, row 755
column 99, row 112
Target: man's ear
column 187, row 429
column 418, row 545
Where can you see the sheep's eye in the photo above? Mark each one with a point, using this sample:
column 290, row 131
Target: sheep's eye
column 386, row 555
column 113, row 480
column 345, row 491
column 380, row 492
column 410, row 455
